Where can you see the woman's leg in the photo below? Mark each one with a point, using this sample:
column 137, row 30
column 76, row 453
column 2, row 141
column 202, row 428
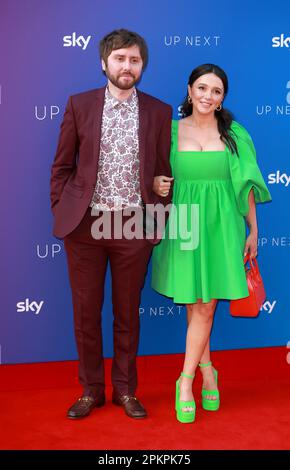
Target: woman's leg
column 200, row 316
column 209, row 382
column 206, row 353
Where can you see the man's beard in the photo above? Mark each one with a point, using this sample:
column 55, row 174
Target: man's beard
column 117, row 81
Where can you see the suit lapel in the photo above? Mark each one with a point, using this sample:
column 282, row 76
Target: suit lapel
column 97, row 123
column 143, row 126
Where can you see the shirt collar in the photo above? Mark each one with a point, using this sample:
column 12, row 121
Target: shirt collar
column 112, row 102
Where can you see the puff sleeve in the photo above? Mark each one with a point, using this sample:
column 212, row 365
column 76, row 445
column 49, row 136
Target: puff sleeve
column 245, row 173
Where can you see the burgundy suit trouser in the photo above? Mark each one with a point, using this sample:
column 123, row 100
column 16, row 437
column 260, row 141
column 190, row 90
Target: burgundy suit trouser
column 87, row 263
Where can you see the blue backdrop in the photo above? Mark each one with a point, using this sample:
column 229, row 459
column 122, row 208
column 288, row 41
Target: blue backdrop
column 48, row 51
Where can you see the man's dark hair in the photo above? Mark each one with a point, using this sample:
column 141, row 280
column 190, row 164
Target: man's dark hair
column 122, row 38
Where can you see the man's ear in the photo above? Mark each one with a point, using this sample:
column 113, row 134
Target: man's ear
column 103, row 65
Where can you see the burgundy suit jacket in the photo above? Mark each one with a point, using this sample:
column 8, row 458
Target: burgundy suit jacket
column 75, row 167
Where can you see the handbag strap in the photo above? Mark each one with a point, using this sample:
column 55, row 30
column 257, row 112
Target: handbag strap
column 253, row 264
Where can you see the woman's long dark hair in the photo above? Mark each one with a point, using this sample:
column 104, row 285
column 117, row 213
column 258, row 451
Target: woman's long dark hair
column 224, row 117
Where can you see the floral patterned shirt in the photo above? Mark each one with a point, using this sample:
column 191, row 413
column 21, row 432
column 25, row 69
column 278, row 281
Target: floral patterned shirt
column 118, row 179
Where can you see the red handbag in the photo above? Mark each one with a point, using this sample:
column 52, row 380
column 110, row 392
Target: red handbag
column 250, row 306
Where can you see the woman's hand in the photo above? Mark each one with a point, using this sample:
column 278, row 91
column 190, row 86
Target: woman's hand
column 161, row 185
column 251, row 245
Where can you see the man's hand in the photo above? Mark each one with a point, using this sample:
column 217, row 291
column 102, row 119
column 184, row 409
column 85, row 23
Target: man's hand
column 161, row 185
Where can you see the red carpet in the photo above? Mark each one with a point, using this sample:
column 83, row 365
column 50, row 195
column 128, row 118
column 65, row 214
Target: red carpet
column 254, row 413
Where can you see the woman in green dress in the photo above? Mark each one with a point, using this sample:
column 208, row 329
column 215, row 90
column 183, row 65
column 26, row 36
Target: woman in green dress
column 217, row 181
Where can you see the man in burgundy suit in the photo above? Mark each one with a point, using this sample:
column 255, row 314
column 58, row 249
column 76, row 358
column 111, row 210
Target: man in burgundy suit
column 113, row 142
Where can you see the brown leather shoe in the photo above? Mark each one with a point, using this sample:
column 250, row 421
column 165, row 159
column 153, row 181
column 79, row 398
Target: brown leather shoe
column 132, row 406
column 83, row 406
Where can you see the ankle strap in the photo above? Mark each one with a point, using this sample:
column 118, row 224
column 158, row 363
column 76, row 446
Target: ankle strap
column 187, row 375
column 205, row 364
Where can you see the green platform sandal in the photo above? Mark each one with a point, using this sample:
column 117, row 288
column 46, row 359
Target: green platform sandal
column 207, row 404
column 181, row 415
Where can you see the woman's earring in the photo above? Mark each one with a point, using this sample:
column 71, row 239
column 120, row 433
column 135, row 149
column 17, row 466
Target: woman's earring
column 189, row 100
column 219, row 107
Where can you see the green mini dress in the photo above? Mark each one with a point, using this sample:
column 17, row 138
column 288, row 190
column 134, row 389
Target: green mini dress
column 201, row 253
